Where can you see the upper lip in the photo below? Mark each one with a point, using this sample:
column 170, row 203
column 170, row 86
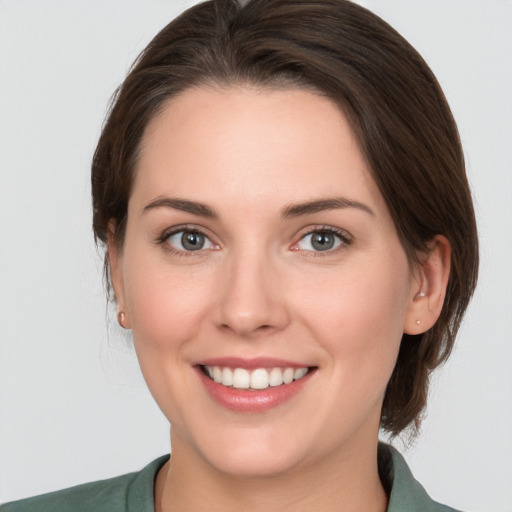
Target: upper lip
column 257, row 362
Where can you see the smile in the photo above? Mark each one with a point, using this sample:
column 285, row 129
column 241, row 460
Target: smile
column 256, row 379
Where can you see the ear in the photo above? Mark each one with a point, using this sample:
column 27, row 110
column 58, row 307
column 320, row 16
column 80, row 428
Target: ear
column 428, row 287
column 114, row 255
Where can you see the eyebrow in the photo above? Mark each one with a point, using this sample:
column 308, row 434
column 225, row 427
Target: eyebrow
column 319, row 205
column 183, row 205
column 294, row 210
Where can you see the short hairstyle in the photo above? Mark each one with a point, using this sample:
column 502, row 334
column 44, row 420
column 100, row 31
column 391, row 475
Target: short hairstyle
column 393, row 102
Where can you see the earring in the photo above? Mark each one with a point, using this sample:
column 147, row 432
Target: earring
column 120, row 319
column 418, row 322
column 421, row 293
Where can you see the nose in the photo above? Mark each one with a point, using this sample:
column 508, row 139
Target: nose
column 251, row 299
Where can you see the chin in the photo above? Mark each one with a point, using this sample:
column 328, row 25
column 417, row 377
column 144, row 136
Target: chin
column 249, row 452
column 257, row 464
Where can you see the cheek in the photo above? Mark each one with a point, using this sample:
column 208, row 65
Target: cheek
column 166, row 306
column 164, row 302
column 358, row 318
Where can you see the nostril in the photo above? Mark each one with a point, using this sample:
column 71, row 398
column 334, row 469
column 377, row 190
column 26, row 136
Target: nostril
column 264, row 327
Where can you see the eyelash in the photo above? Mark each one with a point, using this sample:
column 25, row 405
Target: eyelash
column 164, row 238
column 344, row 238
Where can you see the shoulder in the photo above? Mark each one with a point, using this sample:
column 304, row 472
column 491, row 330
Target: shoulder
column 130, row 492
column 406, row 493
column 102, row 495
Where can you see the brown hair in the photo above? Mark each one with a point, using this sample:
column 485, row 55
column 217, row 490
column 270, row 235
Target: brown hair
column 391, row 98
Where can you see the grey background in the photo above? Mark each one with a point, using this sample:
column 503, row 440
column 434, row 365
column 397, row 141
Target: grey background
column 73, row 407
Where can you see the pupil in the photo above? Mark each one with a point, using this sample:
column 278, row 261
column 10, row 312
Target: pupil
column 322, row 241
column 192, row 241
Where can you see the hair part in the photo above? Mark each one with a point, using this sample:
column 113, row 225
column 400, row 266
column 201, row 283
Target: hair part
column 393, row 102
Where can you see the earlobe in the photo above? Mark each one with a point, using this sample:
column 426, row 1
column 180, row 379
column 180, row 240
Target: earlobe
column 429, row 287
column 116, row 276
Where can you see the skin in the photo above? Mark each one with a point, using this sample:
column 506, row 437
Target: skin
column 259, row 288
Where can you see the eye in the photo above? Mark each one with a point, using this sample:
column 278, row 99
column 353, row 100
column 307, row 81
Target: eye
column 321, row 240
column 189, row 240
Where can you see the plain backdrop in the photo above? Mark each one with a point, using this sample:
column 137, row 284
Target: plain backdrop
column 73, row 407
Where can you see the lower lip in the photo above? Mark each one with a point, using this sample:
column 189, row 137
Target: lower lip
column 246, row 400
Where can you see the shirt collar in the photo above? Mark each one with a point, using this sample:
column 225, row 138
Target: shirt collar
column 406, row 493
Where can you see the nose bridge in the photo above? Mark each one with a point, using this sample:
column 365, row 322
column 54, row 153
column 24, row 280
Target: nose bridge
column 251, row 300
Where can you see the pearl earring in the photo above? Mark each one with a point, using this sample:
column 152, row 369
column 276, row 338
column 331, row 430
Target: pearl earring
column 120, row 318
column 418, row 322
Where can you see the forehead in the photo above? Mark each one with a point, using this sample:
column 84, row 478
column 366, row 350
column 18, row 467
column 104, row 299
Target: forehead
column 249, row 144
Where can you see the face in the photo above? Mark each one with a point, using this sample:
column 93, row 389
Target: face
column 263, row 280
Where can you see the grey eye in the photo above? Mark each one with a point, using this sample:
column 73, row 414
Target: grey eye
column 192, row 241
column 186, row 240
column 320, row 241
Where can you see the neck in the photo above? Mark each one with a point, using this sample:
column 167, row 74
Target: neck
column 349, row 482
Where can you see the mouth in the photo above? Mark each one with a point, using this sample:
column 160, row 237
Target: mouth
column 253, row 385
column 256, row 379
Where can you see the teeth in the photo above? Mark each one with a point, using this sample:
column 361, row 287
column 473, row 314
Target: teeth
column 260, row 378
column 288, row 375
column 217, row 374
column 227, row 377
column 299, row 373
column 275, row 377
column 241, row 378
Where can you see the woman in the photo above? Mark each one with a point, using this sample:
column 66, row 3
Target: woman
column 290, row 238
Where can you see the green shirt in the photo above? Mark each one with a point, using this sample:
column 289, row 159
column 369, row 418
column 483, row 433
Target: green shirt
column 134, row 492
